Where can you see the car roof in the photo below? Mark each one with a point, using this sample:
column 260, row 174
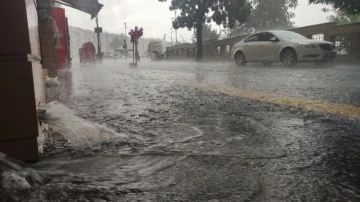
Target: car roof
column 271, row 31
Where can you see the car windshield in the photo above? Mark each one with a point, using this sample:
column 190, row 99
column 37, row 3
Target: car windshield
column 286, row 35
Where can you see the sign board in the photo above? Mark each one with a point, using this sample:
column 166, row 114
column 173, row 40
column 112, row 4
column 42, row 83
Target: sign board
column 98, row 30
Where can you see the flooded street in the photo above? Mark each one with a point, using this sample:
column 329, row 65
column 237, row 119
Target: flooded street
column 205, row 132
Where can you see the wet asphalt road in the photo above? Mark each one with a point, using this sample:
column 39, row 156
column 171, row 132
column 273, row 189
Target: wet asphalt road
column 186, row 143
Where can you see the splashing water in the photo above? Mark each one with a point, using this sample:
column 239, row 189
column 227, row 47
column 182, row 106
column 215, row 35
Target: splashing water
column 13, row 174
column 14, row 180
column 78, row 131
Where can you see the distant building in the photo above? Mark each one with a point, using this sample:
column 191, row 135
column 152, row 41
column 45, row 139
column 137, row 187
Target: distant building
column 109, row 41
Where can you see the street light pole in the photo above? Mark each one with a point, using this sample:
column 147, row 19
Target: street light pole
column 125, row 30
column 125, row 43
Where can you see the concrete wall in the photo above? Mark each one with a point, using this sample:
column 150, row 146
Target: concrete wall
column 21, row 81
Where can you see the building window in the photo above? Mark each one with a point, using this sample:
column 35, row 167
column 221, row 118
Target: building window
column 319, row 37
column 342, row 44
column 227, row 50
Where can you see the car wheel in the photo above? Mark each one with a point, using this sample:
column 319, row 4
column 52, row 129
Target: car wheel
column 320, row 62
column 267, row 63
column 288, row 57
column 240, row 59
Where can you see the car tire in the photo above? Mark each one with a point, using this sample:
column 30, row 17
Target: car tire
column 267, row 63
column 289, row 57
column 320, row 62
column 240, row 59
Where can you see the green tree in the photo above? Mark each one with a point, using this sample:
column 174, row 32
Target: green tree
column 194, row 13
column 349, row 6
column 267, row 14
column 341, row 17
column 207, row 33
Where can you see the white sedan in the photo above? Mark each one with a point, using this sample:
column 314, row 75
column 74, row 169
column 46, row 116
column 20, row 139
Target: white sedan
column 282, row 46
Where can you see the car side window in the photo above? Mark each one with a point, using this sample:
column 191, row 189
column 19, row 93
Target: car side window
column 266, row 36
column 252, row 38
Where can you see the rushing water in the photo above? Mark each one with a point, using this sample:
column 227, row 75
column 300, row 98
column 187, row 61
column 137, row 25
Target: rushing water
column 120, row 164
column 79, row 132
column 187, row 144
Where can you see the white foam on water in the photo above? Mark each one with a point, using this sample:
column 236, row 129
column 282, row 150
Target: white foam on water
column 78, row 131
column 14, row 180
column 18, row 179
column 41, row 139
column 52, row 82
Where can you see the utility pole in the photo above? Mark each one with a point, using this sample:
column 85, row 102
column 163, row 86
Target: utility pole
column 176, row 40
column 98, row 30
column 171, row 36
column 183, row 39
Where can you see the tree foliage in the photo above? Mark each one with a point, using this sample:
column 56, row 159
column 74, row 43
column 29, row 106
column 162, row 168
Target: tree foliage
column 341, row 17
column 194, row 13
column 349, row 6
column 267, row 14
column 207, row 33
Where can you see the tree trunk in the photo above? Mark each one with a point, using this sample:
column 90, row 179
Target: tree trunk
column 199, row 40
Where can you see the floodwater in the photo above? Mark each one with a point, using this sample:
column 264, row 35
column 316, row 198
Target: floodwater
column 169, row 140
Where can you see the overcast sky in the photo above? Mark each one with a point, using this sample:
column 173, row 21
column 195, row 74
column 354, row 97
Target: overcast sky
column 155, row 17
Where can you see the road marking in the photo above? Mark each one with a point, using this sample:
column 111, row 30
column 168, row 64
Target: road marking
column 312, row 105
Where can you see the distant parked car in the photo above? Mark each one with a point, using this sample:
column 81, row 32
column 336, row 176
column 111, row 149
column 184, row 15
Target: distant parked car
column 282, row 46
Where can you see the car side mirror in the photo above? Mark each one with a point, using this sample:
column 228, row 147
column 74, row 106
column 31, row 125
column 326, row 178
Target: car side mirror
column 274, row 39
